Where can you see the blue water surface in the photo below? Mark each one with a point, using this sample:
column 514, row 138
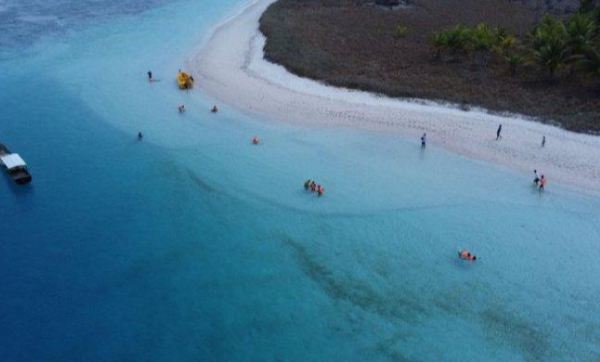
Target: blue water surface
column 195, row 245
column 25, row 21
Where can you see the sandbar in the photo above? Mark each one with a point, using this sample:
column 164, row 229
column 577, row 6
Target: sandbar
column 231, row 68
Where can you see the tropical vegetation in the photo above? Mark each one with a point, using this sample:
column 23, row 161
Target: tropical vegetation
column 553, row 44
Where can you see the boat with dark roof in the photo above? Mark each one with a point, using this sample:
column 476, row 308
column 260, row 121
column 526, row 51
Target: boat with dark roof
column 14, row 166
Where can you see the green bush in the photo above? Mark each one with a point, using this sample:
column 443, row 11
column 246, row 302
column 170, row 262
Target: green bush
column 551, row 44
column 400, row 31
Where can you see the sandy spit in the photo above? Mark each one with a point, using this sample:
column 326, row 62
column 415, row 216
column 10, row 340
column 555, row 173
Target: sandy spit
column 231, row 68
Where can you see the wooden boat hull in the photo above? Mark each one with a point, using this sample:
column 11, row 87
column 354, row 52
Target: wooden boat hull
column 22, row 179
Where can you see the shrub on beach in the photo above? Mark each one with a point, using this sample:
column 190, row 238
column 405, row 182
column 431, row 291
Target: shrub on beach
column 514, row 61
column 400, row 31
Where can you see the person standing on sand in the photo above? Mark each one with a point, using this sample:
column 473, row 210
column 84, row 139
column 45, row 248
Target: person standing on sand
column 424, row 140
column 536, row 178
column 543, row 141
column 498, row 132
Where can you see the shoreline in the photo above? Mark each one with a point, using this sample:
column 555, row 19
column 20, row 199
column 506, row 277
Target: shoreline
column 231, row 68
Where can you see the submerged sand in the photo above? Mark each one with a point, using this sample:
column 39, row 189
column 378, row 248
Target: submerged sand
column 231, row 68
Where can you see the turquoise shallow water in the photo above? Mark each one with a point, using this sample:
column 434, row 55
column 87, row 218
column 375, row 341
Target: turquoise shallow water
column 196, row 245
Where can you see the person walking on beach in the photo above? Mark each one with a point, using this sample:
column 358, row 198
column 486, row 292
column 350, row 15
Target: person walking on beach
column 424, row 140
column 536, row 178
column 543, row 141
column 498, row 132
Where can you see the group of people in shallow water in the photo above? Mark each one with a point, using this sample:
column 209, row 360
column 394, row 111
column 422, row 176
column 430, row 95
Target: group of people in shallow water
column 181, row 108
column 314, row 187
column 214, row 109
column 319, row 189
column 538, row 181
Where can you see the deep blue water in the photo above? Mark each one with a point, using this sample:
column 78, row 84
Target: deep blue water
column 26, row 21
column 196, row 245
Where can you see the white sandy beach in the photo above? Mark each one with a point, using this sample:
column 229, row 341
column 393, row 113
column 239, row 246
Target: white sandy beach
column 231, row 68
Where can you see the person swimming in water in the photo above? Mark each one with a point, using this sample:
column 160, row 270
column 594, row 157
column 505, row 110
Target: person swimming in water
column 320, row 190
column 214, row 109
column 542, row 182
column 140, row 136
column 466, row 255
column 150, row 76
column 307, row 184
column 181, row 108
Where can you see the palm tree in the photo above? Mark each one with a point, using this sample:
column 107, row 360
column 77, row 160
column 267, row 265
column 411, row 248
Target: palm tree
column 506, row 42
column 514, row 60
column 550, row 44
column 551, row 55
column 549, row 28
column 589, row 62
column 581, row 30
column 482, row 38
column 438, row 42
column 457, row 39
column 482, row 41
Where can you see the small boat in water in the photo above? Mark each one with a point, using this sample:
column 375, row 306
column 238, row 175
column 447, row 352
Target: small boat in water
column 14, row 166
column 185, row 81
